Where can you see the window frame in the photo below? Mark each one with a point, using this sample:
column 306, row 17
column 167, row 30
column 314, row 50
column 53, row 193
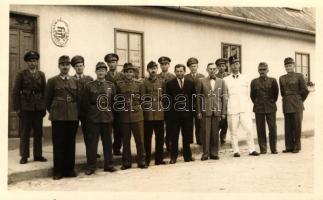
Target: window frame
column 240, row 54
column 309, row 63
column 128, row 32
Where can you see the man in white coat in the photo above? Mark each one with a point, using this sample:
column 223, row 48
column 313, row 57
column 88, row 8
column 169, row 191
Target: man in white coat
column 239, row 107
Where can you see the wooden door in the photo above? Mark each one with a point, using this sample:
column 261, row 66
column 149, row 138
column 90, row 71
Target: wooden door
column 21, row 40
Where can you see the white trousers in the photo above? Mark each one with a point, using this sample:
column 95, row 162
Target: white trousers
column 234, row 122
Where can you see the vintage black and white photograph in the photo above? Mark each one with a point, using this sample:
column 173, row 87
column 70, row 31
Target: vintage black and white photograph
column 162, row 98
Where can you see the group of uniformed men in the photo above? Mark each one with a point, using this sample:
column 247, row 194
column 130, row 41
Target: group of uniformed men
column 121, row 103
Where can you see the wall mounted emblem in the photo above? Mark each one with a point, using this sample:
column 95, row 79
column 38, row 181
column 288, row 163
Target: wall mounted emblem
column 60, row 32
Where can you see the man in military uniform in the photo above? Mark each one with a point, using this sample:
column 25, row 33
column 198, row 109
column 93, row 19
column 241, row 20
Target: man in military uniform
column 294, row 92
column 97, row 107
column 113, row 76
column 264, row 93
column 131, row 116
column 28, row 102
column 164, row 63
column 62, row 105
column 153, row 114
column 78, row 65
column 221, row 65
column 239, row 107
column 192, row 64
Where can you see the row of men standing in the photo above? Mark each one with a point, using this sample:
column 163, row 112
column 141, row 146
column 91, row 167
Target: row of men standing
column 63, row 91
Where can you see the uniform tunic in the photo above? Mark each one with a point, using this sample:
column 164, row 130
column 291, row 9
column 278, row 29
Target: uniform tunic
column 264, row 94
column 62, row 105
column 294, row 92
column 28, row 99
column 131, row 118
column 96, row 104
column 154, row 117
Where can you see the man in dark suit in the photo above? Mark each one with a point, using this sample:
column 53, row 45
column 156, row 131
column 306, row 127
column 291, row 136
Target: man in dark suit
column 192, row 64
column 28, row 102
column 114, row 76
column 211, row 107
column 181, row 91
column 264, row 93
column 294, row 92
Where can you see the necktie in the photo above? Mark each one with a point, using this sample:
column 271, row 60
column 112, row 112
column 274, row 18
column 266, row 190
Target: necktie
column 181, row 81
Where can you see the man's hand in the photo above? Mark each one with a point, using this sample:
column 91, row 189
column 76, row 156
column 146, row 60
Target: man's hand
column 199, row 116
column 223, row 116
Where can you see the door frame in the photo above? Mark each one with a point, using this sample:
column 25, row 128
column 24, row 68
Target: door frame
column 35, row 32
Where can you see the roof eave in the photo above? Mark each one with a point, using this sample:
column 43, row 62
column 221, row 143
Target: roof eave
column 241, row 19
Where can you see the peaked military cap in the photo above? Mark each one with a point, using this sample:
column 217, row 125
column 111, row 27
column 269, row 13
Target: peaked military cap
column 192, row 60
column 164, row 59
column 288, row 60
column 100, row 65
column 233, row 60
column 111, row 57
column 31, row 55
column 127, row 66
column 77, row 59
column 220, row 61
column 64, row 59
column 151, row 64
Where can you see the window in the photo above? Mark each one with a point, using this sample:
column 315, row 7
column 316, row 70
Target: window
column 302, row 64
column 231, row 50
column 129, row 47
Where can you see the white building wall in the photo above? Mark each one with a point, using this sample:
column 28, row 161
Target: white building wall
column 92, row 36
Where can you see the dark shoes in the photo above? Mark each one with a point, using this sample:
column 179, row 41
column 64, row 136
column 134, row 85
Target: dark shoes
column 89, row 171
column 57, row 177
column 204, row 158
column 274, row 152
column 110, row 169
column 236, row 155
column 222, row 142
column 254, row 153
column 98, row 156
column 287, row 151
column 117, row 152
column 214, row 157
column 189, row 160
column 40, row 159
column 172, row 161
column 71, row 174
column 123, row 167
column 295, row 151
column 23, row 160
column 263, row 152
column 142, row 166
column 160, row 163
